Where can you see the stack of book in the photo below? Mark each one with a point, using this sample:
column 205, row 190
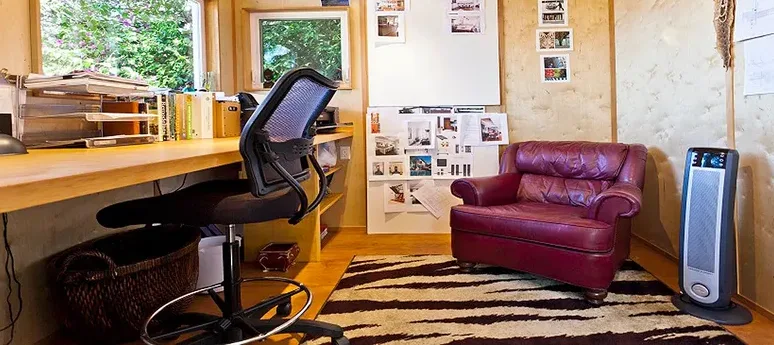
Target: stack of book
column 196, row 115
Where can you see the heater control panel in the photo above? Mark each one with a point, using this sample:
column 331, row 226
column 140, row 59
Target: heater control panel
column 709, row 158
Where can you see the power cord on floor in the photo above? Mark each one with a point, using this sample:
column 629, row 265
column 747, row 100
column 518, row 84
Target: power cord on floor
column 10, row 273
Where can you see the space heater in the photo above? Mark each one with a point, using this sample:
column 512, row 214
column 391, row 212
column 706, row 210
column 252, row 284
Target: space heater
column 707, row 237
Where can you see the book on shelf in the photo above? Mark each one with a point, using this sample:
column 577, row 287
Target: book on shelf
column 202, row 115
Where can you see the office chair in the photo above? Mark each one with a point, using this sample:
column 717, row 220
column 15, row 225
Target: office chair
column 277, row 145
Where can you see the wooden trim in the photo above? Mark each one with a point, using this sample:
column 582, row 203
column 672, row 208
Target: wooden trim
column 36, row 41
column 737, row 297
column 613, row 85
column 730, row 108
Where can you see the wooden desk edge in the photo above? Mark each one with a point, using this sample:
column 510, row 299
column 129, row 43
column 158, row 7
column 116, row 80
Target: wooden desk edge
column 69, row 187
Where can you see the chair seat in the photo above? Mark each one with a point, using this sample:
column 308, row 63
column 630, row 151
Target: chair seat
column 548, row 224
column 212, row 202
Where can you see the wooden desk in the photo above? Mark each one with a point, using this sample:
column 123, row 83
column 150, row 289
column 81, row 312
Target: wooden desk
column 50, row 175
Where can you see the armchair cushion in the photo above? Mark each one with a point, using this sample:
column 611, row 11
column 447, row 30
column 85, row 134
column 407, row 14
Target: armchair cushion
column 622, row 200
column 548, row 224
column 488, row 191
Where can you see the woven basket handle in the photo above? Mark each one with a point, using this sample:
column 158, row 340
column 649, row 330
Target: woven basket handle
column 91, row 253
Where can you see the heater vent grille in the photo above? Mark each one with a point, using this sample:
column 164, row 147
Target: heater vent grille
column 703, row 219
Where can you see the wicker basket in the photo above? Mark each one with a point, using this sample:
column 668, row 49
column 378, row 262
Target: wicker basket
column 106, row 288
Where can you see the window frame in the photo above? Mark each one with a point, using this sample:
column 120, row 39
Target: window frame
column 199, row 44
column 256, row 41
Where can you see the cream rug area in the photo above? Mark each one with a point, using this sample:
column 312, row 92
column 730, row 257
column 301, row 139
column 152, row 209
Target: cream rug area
column 426, row 300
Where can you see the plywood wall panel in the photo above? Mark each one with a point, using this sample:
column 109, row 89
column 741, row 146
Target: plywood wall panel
column 671, row 95
column 579, row 110
column 15, row 29
column 754, row 122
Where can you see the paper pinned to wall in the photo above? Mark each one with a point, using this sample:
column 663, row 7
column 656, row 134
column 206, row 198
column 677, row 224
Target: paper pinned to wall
column 759, row 66
column 437, row 200
column 754, row 18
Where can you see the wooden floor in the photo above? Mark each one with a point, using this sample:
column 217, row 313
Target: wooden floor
column 321, row 277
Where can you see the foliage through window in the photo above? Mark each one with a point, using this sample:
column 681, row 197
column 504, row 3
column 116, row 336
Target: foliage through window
column 285, row 41
column 158, row 41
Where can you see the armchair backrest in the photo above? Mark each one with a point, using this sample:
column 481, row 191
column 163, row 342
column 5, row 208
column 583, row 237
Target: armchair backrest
column 572, row 173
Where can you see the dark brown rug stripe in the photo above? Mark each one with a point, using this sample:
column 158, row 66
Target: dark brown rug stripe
column 426, row 300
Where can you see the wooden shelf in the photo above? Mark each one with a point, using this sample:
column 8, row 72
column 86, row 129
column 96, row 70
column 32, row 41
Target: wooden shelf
column 331, row 171
column 328, row 137
column 329, row 201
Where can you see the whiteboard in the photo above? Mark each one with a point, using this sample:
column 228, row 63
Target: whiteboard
column 434, row 67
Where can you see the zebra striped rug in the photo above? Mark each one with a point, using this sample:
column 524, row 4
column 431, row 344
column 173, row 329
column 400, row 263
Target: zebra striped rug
column 426, row 300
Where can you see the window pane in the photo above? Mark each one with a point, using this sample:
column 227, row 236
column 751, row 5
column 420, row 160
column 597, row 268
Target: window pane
column 148, row 39
column 288, row 44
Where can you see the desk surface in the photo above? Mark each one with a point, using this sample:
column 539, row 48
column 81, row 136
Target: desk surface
column 51, row 175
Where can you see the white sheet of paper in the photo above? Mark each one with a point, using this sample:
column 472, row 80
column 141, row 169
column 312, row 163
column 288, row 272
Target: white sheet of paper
column 754, row 18
column 470, row 130
column 759, row 66
column 437, row 200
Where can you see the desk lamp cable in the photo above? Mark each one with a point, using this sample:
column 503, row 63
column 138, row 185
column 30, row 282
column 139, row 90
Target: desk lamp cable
column 10, row 273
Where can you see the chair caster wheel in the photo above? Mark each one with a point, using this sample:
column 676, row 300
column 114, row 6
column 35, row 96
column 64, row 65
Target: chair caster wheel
column 340, row 341
column 284, row 309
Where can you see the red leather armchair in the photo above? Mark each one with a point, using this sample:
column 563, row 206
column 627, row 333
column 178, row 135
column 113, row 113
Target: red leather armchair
column 557, row 209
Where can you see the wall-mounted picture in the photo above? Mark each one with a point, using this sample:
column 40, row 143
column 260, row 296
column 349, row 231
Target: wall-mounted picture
column 412, row 204
column 464, row 24
column 386, row 145
column 555, row 68
column 491, row 130
column 391, row 28
column 420, row 166
column 378, row 171
column 394, row 197
column 552, row 13
column 376, row 126
column 396, row 169
column 419, row 134
column 391, row 5
column 466, row 5
column 447, row 123
column 554, row 40
column 470, row 110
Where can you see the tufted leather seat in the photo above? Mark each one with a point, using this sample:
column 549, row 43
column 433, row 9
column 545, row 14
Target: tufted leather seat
column 557, row 209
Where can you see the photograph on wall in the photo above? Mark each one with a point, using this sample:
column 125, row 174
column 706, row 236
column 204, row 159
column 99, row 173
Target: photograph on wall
column 555, row 68
column 335, row 2
column 387, row 145
column 419, row 134
column 391, row 5
column 453, row 166
column 394, row 197
column 552, row 13
column 377, row 171
column 467, row 5
column 554, row 40
column 470, row 110
column 436, row 110
column 390, row 27
column 466, row 24
column 494, row 129
column 396, row 169
column 447, row 134
column 412, row 203
column 420, row 166
column 376, row 126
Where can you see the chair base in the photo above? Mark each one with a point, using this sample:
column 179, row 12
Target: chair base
column 237, row 325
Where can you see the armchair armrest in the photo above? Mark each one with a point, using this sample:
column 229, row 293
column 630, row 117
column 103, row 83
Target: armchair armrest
column 623, row 199
column 488, row 191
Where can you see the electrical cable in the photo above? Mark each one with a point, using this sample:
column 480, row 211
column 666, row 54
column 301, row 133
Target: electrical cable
column 10, row 273
column 185, row 177
column 157, row 185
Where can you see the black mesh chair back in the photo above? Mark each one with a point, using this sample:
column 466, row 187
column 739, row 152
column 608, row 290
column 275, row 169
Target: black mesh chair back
column 277, row 142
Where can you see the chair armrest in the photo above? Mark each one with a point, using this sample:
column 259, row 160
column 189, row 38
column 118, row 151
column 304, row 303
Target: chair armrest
column 488, row 191
column 622, row 200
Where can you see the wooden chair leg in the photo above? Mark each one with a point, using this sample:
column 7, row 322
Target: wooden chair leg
column 466, row 267
column 595, row 296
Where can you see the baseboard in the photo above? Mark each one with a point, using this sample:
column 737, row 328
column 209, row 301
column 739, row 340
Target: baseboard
column 737, row 297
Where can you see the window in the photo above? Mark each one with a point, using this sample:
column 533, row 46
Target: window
column 159, row 41
column 286, row 40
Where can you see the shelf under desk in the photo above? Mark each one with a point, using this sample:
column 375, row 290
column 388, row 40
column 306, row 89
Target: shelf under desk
column 49, row 175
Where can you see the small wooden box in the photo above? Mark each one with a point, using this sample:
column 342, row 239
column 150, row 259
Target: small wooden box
column 227, row 116
column 278, row 256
